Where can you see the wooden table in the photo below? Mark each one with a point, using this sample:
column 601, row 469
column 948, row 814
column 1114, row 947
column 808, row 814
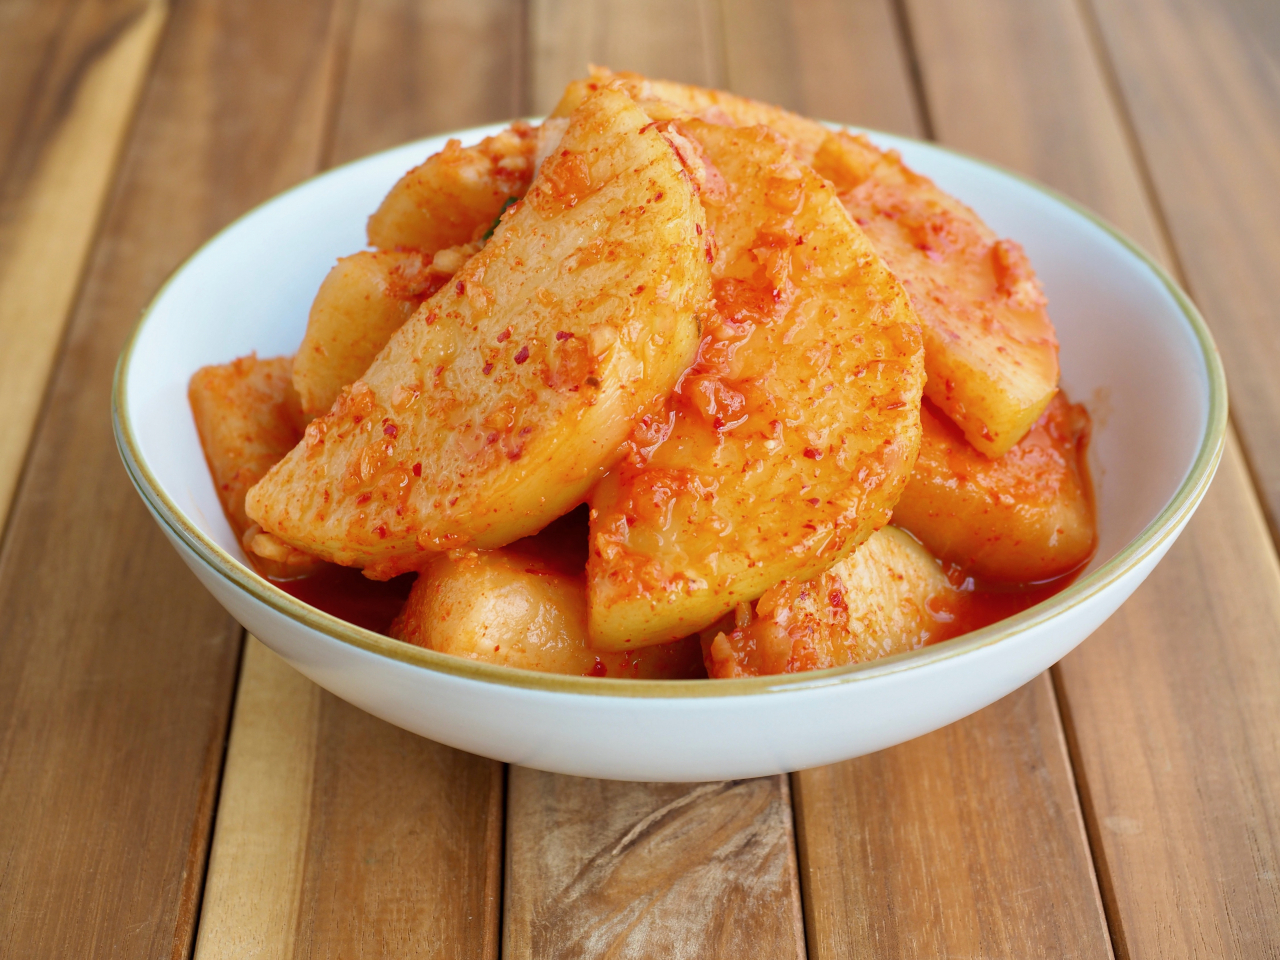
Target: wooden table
column 168, row 789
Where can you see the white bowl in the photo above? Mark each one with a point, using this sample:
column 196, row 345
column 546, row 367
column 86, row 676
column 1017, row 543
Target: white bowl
column 1133, row 348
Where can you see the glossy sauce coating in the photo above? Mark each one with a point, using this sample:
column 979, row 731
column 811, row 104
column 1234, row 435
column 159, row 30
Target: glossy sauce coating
column 498, row 405
column 525, row 606
column 787, row 442
column 990, row 349
column 559, row 552
column 891, row 596
column 1024, row 517
column 349, row 595
column 521, row 606
column 980, row 606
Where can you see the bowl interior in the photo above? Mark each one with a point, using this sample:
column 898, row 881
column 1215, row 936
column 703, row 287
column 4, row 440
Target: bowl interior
column 1130, row 348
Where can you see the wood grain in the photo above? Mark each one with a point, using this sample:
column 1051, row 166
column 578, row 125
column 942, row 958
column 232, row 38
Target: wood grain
column 259, row 851
column 967, row 842
column 1175, row 725
column 672, row 39
column 116, row 667
column 404, row 852
column 78, row 75
column 598, row 868
column 416, row 69
column 367, row 840
column 1174, row 740
column 341, row 835
column 1201, row 83
column 813, row 56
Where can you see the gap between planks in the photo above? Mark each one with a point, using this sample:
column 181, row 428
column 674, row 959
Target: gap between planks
column 396, row 845
column 47, row 230
column 254, row 879
column 116, row 668
column 340, row 834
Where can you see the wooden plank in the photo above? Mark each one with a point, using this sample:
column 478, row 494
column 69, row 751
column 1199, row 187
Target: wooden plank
column 340, row 835
column 116, row 667
column 598, row 868
column 672, row 39
column 1171, row 708
column 70, row 77
column 30, row 33
column 259, row 849
column 404, row 853
column 1175, row 726
column 418, row 69
column 367, row 840
column 967, row 842
column 1200, row 84
column 812, row 56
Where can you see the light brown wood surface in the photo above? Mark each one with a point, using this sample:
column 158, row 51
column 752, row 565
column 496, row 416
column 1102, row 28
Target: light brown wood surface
column 71, row 75
column 598, row 868
column 1200, row 81
column 1175, row 724
column 116, row 667
column 341, row 835
column 842, row 61
column 416, row 69
column 672, row 39
column 346, row 835
column 259, row 852
column 967, row 842
column 404, row 844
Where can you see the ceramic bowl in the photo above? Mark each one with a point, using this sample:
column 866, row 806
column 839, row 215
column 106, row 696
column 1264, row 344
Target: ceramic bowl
column 1134, row 349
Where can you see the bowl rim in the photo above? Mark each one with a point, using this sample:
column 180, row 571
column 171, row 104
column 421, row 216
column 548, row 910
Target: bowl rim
column 1149, row 541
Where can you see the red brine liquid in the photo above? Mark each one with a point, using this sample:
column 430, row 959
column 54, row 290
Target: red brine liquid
column 979, row 606
column 348, row 595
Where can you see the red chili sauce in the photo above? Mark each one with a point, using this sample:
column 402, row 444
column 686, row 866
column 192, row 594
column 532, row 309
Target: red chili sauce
column 348, row 595
column 982, row 605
